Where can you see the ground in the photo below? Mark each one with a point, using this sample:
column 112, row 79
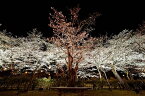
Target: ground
column 102, row 92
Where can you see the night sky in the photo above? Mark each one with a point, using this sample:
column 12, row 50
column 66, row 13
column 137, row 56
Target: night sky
column 20, row 17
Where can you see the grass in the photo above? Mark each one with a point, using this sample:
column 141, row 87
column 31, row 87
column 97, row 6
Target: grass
column 86, row 93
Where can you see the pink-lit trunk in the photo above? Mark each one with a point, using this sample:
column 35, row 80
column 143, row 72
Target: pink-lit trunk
column 72, row 72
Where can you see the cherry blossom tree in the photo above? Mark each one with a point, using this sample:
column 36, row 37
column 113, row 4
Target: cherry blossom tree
column 26, row 52
column 72, row 36
column 119, row 52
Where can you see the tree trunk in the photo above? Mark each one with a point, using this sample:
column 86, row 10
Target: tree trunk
column 72, row 77
column 72, row 72
column 117, row 76
column 127, row 75
column 100, row 75
column 107, row 79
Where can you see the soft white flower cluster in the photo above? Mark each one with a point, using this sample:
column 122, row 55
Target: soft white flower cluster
column 122, row 50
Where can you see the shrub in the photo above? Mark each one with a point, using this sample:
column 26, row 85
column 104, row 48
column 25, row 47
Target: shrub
column 44, row 83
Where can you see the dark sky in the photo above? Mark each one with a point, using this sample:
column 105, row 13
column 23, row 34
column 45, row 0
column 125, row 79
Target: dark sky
column 21, row 16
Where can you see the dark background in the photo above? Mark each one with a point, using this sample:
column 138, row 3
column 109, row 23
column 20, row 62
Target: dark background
column 20, row 17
